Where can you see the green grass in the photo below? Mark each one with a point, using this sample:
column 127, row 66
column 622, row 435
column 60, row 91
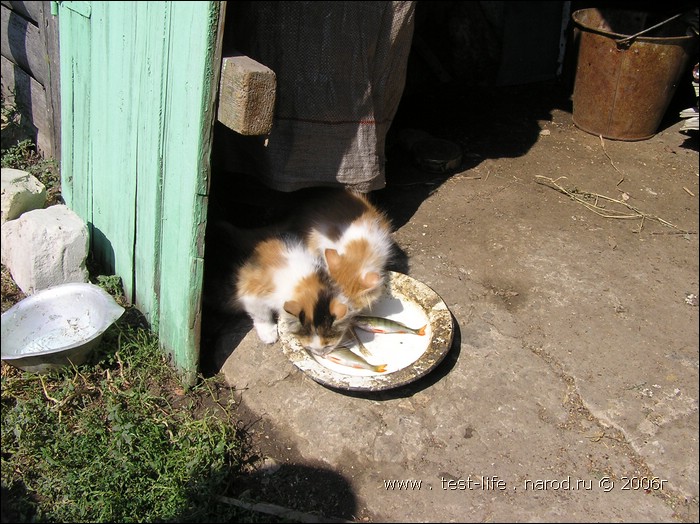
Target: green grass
column 118, row 440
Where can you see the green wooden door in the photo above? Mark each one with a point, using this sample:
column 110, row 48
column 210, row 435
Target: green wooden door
column 138, row 86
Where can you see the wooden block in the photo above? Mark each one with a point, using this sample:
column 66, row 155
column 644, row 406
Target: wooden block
column 246, row 95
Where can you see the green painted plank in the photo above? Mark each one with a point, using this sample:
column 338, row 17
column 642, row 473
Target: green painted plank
column 114, row 63
column 189, row 119
column 96, row 162
column 152, row 37
column 75, row 99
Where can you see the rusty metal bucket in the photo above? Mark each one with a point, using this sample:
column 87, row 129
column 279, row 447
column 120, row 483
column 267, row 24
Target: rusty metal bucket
column 627, row 72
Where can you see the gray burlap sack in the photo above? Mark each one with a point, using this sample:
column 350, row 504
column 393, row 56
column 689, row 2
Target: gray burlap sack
column 341, row 70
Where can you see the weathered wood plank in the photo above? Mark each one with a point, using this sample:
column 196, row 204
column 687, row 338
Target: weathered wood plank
column 30, row 98
column 29, row 10
column 151, row 36
column 113, row 101
column 23, row 44
column 45, row 109
column 246, row 96
column 48, row 26
column 77, row 165
column 195, row 41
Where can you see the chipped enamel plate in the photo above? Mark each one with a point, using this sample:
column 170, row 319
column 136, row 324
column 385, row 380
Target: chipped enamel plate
column 408, row 357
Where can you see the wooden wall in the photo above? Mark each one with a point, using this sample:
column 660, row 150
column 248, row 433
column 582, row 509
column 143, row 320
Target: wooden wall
column 30, row 70
column 139, row 84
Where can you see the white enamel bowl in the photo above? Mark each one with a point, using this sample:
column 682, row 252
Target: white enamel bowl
column 57, row 326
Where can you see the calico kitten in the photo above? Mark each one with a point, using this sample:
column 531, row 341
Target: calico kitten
column 353, row 238
column 274, row 277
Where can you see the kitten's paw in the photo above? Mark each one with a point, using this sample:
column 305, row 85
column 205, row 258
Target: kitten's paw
column 267, row 332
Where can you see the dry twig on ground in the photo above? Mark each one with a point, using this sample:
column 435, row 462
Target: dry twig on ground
column 591, row 201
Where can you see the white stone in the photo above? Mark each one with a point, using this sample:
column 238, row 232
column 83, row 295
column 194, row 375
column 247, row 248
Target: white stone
column 45, row 247
column 21, row 191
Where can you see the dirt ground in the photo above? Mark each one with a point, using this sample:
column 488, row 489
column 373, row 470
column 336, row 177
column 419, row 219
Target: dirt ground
column 570, row 392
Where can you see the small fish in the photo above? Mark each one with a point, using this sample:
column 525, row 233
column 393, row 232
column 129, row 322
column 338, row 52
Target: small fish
column 385, row 325
column 365, row 352
column 345, row 357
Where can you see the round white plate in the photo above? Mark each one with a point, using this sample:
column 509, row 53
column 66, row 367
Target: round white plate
column 407, row 357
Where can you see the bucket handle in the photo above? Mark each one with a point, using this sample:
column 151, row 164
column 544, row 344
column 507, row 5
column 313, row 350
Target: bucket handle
column 628, row 40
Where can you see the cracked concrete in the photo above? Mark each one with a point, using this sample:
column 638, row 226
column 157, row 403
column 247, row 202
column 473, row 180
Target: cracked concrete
column 574, row 366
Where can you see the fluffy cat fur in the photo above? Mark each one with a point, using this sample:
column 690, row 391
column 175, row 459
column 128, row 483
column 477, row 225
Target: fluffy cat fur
column 273, row 276
column 353, row 238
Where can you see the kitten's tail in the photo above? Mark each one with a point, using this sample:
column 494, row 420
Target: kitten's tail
column 226, row 248
column 222, row 235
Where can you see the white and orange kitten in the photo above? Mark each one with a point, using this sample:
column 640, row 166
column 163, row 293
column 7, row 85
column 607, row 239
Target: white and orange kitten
column 274, row 277
column 354, row 240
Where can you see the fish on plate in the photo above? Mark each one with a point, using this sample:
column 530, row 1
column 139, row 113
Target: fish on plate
column 385, row 325
column 343, row 356
column 360, row 346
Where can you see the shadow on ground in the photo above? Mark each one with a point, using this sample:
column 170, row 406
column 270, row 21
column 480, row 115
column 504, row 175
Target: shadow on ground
column 301, row 493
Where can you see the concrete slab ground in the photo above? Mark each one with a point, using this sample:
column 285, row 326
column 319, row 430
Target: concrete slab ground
column 570, row 393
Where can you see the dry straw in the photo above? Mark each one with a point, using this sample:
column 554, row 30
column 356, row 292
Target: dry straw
column 592, row 201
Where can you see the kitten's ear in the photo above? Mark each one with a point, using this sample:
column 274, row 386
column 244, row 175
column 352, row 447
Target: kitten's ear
column 332, row 259
column 338, row 309
column 293, row 308
column 371, row 279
